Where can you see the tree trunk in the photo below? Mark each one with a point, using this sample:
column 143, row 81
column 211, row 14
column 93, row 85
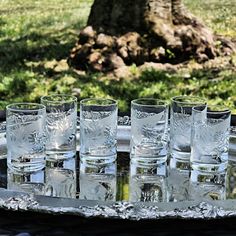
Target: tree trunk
column 124, row 32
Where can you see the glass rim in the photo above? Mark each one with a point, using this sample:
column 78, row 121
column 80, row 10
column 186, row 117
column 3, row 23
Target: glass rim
column 13, row 107
column 46, row 98
column 221, row 109
column 161, row 102
column 112, row 102
column 198, row 100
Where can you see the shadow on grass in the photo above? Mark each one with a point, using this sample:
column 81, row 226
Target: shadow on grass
column 125, row 90
column 2, row 24
column 217, row 87
column 36, row 47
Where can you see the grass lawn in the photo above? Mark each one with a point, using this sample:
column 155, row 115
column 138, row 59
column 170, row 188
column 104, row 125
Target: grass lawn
column 36, row 37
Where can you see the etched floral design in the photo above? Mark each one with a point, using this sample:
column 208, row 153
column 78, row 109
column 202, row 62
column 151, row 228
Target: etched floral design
column 26, row 133
column 61, row 127
column 98, row 131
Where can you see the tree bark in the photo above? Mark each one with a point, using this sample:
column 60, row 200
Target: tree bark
column 124, row 32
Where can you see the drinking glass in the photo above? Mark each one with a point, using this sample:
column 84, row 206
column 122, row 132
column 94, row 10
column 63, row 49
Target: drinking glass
column 98, row 130
column 210, row 138
column 25, row 132
column 180, row 126
column 149, row 130
column 3, row 141
column 61, row 126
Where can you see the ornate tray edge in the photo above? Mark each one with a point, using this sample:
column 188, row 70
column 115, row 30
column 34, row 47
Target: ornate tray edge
column 18, row 201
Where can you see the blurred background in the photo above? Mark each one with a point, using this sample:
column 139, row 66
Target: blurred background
column 36, row 37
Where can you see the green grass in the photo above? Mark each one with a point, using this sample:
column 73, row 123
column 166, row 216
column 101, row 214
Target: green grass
column 33, row 34
column 36, row 37
column 219, row 15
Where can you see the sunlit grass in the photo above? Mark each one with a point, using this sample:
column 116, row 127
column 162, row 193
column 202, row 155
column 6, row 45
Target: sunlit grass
column 218, row 15
column 36, row 37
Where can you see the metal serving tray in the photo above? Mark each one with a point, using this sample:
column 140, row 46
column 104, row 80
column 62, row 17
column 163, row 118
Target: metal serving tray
column 14, row 197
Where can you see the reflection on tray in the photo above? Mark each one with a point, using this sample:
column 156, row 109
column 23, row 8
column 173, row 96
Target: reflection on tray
column 121, row 180
column 97, row 182
column 30, row 183
column 148, row 183
column 60, row 178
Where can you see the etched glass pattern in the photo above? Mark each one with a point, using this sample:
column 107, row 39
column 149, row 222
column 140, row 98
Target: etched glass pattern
column 60, row 126
column 149, row 130
column 180, row 125
column 26, row 137
column 210, row 140
column 98, row 130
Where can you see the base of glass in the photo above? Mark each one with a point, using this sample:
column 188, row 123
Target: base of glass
column 181, row 156
column 148, row 160
column 209, row 167
column 32, row 182
column 29, row 166
column 207, row 185
column 148, row 169
column 57, row 155
column 179, row 164
column 97, row 160
column 203, row 177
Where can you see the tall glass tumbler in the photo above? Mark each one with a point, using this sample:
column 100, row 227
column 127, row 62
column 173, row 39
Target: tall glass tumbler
column 149, row 131
column 25, row 132
column 180, row 126
column 61, row 124
column 98, row 130
column 210, row 138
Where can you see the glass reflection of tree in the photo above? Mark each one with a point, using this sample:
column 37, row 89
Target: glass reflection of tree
column 98, row 181
column 148, row 183
column 61, row 178
column 207, row 185
column 33, row 182
column 178, row 180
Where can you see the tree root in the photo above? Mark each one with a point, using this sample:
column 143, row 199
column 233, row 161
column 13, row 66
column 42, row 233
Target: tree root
column 167, row 32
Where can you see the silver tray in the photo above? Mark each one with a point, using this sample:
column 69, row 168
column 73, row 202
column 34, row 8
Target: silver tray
column 119, row 208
